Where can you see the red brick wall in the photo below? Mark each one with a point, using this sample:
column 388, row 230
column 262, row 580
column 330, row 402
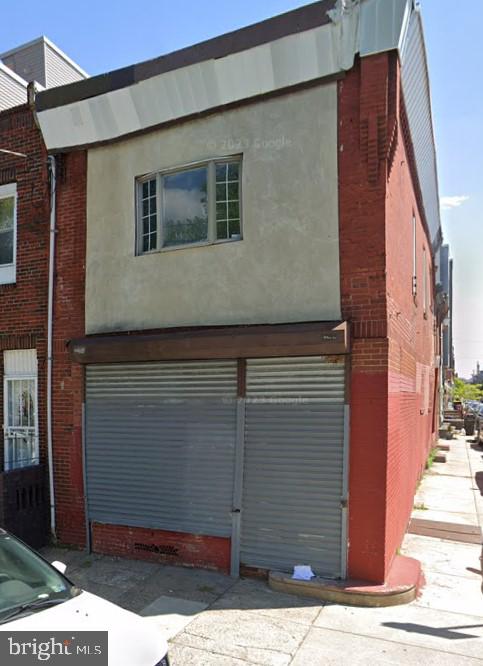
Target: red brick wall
column 362, row 113
column 412, row 338
column 162, row 546
column 68, row 379
column 391, row 340
column 23, row 305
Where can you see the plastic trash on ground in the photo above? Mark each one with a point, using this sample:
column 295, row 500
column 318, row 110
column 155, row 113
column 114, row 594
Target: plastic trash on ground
column 302, row 572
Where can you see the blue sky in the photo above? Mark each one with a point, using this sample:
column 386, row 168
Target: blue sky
column 107, row 34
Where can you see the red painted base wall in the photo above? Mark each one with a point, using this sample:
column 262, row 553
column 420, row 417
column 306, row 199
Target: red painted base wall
column 193, row 550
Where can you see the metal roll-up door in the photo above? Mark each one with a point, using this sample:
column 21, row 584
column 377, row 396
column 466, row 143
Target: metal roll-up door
column 160, row 443
column 292, row 511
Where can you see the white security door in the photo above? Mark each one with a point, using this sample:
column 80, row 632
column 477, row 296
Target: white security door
column 21, row 438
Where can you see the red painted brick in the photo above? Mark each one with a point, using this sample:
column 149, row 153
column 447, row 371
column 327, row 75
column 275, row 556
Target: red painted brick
column 391, row 428
column 162, row 546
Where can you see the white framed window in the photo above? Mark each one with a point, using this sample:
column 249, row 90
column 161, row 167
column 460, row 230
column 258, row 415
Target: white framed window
column 197, row 204
column 425, row 283
column 414, row 279
column 8, row 233
column 21, row 430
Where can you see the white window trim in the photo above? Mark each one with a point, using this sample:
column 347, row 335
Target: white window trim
column 425, row 283
column 8, row 272
column 414, row 276
column 211, row 240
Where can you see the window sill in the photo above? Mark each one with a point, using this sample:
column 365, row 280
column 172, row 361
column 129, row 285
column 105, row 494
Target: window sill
column 190, row 246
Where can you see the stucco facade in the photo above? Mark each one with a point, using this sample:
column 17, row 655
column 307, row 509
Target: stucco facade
column 286, row 268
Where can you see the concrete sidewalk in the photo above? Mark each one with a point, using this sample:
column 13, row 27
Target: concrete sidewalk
column 212, row 620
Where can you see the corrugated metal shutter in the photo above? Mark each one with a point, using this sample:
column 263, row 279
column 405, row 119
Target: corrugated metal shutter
column 160, row 441
column 294, row 465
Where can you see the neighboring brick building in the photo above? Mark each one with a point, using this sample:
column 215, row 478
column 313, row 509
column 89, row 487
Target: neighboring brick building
column 24, row 266
column 24, row 285
column 245, row 300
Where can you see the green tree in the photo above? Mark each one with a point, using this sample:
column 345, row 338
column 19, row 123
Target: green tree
column 464, row 391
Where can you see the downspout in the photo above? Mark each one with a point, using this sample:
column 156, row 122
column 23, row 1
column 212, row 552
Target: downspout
column 50, row 310
column 31, row 93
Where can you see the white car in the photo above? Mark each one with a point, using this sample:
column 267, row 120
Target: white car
column 35, row 596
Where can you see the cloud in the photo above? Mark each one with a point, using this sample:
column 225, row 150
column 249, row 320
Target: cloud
column 448, row 203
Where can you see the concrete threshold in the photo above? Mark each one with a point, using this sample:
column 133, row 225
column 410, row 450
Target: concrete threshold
column 401, row 587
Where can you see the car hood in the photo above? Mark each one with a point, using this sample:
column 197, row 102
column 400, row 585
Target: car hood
column 133, row 640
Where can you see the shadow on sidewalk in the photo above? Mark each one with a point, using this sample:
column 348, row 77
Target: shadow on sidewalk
column 479, row 481
column 442, row 632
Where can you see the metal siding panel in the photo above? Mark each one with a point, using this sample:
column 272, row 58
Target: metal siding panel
column 58, row 72
column 12, row 93
column 289, row 61
column 415, row 84
column 294, row 465
column 28, row 62
column 160, row 443
column 381, row 24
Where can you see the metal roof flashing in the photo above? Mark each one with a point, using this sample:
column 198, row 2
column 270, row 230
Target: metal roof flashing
column 301, row 47
column 228, row 44
column 276, row 55
column 12, row 75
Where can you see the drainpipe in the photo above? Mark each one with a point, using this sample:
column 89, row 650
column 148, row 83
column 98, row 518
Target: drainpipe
column 50, row 309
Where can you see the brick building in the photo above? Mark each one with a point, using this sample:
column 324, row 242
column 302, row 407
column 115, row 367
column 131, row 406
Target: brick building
column 245, row 335
column 25, row 195
column 24, row 257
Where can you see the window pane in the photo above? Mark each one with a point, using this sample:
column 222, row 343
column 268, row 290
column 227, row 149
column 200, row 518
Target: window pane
column 222, row 230
column 221, row 192
column 233, row 170
column 6, row 213
column 221, row 211
column 6, row 247
column 185, row 198
column 234, row 210
column 228, row 200
column 234, row 228
column 221, row 173
column 233, row 191
column 148, row 222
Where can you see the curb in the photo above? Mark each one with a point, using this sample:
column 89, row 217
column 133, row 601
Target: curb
column 401, row 587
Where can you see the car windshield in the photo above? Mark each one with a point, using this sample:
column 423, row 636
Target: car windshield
column 26, row 579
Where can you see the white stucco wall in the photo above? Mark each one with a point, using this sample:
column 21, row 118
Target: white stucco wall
column 286, row 268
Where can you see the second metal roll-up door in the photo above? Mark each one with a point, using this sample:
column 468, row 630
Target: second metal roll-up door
column 160, row 444
column 294, row 465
